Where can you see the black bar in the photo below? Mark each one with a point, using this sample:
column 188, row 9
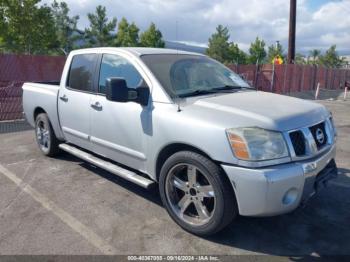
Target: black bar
column 292, row 24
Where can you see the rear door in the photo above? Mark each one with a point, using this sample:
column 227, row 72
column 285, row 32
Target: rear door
column 75, row 99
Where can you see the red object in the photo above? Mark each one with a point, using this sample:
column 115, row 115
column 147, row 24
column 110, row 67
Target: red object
column 292, row 77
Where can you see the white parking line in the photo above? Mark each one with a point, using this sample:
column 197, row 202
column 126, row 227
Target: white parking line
column 21, row 162
column 69, row 220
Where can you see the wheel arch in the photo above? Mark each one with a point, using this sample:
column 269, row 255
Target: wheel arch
column 38, row 110
column 173, row 148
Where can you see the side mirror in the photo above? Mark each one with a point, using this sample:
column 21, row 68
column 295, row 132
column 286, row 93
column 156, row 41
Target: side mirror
column 143, row 95
column 117, row 91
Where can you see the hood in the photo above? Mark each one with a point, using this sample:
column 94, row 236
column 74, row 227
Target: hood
column 256, row 108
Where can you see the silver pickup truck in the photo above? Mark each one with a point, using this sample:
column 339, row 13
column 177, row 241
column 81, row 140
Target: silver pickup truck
column 216, row 147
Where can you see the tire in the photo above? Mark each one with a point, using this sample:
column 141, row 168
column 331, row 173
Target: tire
column 210, row 199
column 45, row 136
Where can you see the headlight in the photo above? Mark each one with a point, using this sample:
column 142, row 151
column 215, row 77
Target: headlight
column 254, row 143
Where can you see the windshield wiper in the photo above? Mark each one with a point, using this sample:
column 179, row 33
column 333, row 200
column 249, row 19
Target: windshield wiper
column 227, row 87
column 221, row 89
column 198, row 92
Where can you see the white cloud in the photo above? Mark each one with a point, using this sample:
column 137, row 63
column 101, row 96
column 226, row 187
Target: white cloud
column 246, row 19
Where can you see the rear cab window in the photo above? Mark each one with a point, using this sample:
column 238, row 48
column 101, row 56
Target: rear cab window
column 81, row 72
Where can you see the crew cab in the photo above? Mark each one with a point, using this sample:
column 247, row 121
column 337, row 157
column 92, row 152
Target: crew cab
column 216, row 147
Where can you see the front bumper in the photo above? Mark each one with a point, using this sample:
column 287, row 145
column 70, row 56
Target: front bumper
column 280, row 189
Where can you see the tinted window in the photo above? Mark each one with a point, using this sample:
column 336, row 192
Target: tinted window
column 116, row 66
column 81, row 72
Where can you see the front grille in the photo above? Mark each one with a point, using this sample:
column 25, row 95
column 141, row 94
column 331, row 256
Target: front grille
column 298, row 142
column 319, row 134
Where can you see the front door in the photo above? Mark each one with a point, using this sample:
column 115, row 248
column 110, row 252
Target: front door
column 118, row 130
column 75, row 100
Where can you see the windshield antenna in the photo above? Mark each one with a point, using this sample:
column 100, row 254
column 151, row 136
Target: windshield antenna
column 178, row 106
column 177, row 53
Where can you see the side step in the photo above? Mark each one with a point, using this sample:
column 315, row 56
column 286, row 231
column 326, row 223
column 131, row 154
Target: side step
column 114, row 169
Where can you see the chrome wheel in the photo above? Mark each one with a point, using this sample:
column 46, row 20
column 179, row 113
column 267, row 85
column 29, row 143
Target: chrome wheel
column 43, row 135
column 190, row 194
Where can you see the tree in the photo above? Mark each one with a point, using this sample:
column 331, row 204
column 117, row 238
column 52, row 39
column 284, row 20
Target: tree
column 236, row 55
column 128, row 34
column 273, row 51
column 65, row 26
column 300, row 59
column 152, row 37
column 331, row 58
column 315, row 55
column 2, row 25
column 218, row 47
column 26, row 27
column 257, row 52
column 99, row 32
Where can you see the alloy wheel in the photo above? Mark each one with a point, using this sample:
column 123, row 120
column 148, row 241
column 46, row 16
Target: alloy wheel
column 190, row 194
column 43, row 135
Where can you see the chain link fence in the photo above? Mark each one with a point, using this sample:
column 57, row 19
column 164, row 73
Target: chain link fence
column 17, row 69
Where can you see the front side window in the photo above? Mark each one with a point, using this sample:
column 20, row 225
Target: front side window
column 183, row 75
column 117, row 66
column 81, row 72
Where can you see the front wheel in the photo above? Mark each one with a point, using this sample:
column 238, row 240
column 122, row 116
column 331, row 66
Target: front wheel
column 196, row 193
column 45, row 136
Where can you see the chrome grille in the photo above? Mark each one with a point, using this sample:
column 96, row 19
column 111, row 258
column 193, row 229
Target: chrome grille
column 298, row 142
column 307, row 142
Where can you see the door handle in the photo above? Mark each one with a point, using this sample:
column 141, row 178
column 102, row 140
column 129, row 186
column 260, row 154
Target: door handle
column 96, row 106
column 64, row 98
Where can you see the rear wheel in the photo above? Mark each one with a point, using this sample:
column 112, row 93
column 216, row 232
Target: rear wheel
column 196, row 194
column 45, row 136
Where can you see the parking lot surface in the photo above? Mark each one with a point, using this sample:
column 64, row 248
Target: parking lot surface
column 66, row 206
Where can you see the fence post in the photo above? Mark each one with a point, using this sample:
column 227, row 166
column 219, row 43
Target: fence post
column 317, row 90
column 345, row 92
column 346, row 89
column 315, row 75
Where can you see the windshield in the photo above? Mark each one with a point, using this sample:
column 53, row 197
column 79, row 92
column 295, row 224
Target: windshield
column 188, row 75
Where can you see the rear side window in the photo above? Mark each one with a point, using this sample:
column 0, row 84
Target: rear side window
column 117, row 66
column 81, row 72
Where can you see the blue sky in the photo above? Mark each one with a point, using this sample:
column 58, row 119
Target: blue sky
column 315, row 4
column 320, row 23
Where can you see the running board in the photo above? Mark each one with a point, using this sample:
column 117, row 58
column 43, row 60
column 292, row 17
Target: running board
column 114, row 169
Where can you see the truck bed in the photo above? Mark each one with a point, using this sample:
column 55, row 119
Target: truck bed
column 44, row 94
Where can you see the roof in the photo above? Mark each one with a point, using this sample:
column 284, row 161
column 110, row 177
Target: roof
column 139, row 51
column 151, row 51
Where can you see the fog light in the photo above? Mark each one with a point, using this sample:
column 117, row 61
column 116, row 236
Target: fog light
column 290, row 196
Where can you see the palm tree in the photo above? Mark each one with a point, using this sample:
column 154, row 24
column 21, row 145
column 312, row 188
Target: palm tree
column 315, row 55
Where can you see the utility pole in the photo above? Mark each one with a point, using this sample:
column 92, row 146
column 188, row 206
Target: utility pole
column 291, row 40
